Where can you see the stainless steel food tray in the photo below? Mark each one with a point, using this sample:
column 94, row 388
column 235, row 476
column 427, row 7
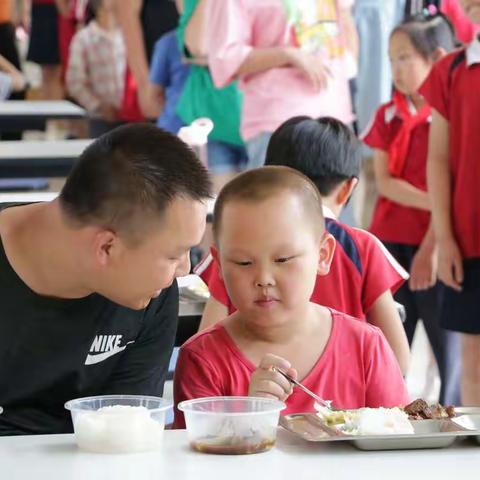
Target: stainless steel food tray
column 472, row 422
column 428, row 433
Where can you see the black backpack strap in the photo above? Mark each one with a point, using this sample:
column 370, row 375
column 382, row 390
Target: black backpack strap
column 457, row 60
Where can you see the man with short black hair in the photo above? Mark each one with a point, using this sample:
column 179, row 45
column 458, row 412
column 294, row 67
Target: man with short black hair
column 88, row 298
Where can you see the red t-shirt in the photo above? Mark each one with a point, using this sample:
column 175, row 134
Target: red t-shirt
column 391, row 221
column 356, row 369
column 361, row 270
column 452, row 90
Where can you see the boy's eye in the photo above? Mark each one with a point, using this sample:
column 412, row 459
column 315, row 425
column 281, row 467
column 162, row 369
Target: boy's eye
column 283, row 259
column 243, row 264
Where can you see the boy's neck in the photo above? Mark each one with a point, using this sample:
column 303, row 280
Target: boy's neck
column 330, row 204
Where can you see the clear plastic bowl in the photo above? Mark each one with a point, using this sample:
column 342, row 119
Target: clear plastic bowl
column 231, row 425
column 119, row 428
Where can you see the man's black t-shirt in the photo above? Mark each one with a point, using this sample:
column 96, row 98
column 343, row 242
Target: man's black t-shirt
column 53, row 350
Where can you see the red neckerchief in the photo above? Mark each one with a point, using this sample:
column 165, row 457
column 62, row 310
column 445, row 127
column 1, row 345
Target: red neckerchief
column 399, row 148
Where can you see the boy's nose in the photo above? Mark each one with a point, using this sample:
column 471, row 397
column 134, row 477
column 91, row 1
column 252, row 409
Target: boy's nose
column 264, row 279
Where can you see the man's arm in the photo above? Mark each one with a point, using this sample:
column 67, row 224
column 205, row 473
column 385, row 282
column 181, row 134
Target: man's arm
column 143, row 367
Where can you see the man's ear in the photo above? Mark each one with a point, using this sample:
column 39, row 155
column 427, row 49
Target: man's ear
column 105, row 243
column 216, row 257
column 345, row 190
column 326, row 252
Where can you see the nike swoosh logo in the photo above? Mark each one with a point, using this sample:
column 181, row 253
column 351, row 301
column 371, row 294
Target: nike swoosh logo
column 100, row 357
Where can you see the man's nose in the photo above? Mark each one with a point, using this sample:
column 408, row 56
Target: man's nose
column 183, row 267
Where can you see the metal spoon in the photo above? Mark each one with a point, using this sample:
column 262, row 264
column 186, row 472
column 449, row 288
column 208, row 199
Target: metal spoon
column 319, row 400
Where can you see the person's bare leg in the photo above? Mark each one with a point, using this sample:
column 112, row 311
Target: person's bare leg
column 52, row 86
column 470, row 369
column 52, row 89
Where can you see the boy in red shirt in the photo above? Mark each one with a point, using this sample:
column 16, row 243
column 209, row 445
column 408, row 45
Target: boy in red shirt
column 270, row 271
column 453, row 173
column 363, row 274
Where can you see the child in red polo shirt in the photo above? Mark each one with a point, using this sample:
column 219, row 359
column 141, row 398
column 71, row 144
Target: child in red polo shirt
column 271, row 242
column 363, row 274
column 401, row 219
column 453, row 179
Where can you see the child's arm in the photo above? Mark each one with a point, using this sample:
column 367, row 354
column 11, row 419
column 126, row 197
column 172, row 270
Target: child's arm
column 423, row 273
column 77, row 77
column 214, row 312
column 450, row 267
column 396, row 189
column 384, row 315
column 266, row 382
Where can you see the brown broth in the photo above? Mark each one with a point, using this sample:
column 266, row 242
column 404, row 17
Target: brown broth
column 232, row 445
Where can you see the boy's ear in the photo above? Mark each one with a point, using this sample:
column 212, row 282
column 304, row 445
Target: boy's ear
column 327, row 249
column 345, row 190
column 216, row 257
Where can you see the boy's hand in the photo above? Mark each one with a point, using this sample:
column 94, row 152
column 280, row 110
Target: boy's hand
column 311, row 66
column 266, row 382
column 108, row 112
column 423, row 273
column 450, row 264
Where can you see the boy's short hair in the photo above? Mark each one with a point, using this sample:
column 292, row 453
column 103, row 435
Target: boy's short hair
column 325, row 150
column 259, row 184
column 128, row 177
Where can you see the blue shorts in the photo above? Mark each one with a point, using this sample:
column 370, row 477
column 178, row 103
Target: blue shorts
column 226, row 158
column 460, row 311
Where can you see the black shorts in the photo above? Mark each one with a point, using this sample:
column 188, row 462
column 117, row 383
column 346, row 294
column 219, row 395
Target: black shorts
column 460, row 311
column 43, row 47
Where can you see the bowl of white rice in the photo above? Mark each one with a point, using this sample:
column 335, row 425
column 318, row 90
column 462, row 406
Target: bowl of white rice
column 118, row 423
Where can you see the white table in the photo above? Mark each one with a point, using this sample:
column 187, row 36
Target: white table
column 31, row 114
column 47, row 158
column 56, row 457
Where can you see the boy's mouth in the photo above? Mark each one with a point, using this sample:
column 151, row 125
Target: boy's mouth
column 265, row 301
